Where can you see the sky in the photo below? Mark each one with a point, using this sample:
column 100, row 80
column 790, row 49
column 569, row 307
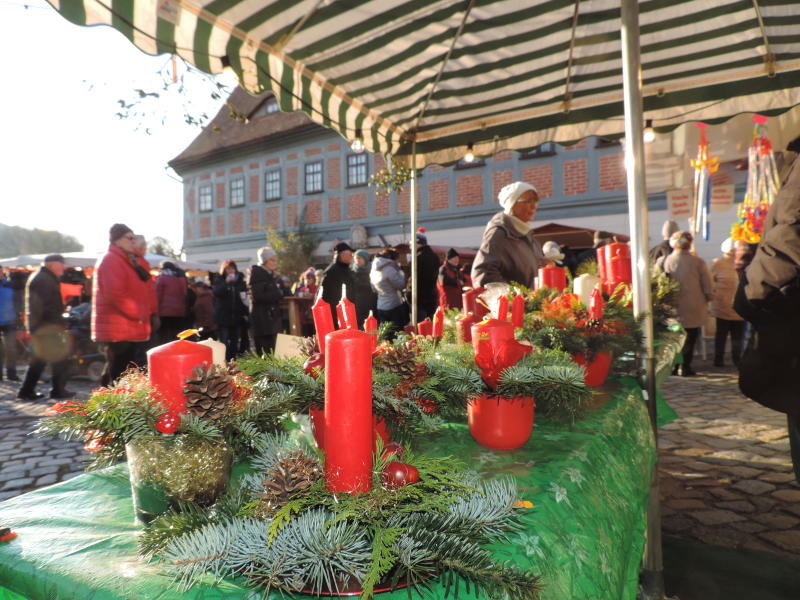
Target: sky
column 68, row 163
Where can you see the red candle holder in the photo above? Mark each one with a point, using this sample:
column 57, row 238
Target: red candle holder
column 169, row 365
column 500, row 423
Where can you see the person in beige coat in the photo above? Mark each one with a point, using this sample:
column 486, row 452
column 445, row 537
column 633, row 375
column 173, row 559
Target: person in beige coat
column 724, row 280
column 692, row 274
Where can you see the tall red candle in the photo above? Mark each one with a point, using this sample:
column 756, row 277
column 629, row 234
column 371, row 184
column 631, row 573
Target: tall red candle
column 348, row 411
column 438, row 323
column 502, row 309
column 323, row 321
column 169, row 365
column 596, row 304
column 518, row 310
column 602, row 261
column 425, row 327
column 464, row 327
column 618, row 261
column 348, row 309
column 370, row 323
column 340, row 316
column 552, row 277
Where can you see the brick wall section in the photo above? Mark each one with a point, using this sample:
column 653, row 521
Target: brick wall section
column 499, row 180
column 356, row 206
column 291, row 214
column 220, row 195
column 579, row 146
column 253, row 166
column 312, row 151
column 334, row 173
column 314, row 211
column 220, row 173
column 190, row 203
column 291, row 181
column 272, row 161
column 503, row 155
column 540, row 177
column 469, row 190
column 187, row 232
column 334, row 147
column 205, row 227
column 236, row 170
column 254, row 226
column 575, row 178
column 612, row 173
column 291, row 156
column 382, row 205
column 237, row 222
column 219, row 222
column 438, row 194
column 404, row 200
column 272, row 216
column 205, row 176
column 334, row 209
column 434, row 168
column 255, row 189
column 378, row 161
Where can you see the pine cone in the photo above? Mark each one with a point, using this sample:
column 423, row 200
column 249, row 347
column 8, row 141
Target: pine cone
column 400, row 360
column 289, row 477
column 210, row 393
column 307, row 345
column 594, row 324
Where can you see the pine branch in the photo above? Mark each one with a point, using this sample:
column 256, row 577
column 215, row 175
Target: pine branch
column 382, row 559
column 199, row 429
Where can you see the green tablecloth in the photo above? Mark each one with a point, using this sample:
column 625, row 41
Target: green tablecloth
column 584, row 535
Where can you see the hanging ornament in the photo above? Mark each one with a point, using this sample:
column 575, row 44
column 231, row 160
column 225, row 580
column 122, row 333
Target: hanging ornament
column 762, row 186
column 704, row 166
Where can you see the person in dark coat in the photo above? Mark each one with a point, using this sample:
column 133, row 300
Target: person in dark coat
column 364, row 297
column 601, row 238
column 663, row 248
column 8, row 329
column 338, row 274
column 229, row 308
column 451, row 281
column 265, row 301
column 768, row 297
column 171, row 290
column 427, row 276
column 43, row 315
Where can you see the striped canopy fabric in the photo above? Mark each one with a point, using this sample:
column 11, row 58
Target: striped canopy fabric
column 497, row 74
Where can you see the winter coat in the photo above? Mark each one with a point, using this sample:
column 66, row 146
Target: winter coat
column 43, row 303
column 336, row 275
column 662, row 249
column 8, row 316
column 692, row 274
column 506, row 255
column 428, row 264
column 724, row 280
column 451, row 282
column 388, row 280
column 122, row 300
column 364, row 297
column 265, row 301
column 228, row 306
column 171, row 289
column 203, row 309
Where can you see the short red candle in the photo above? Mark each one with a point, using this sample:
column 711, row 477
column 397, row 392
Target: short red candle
column 323, row 322
column 464, row 328
column 552, row 277
column 470, row 301
column 169, row 365
column 596, row 304
column 518, row 310
column 370, row 323
column 618, row 263
column 348, row 309
column 438, row 323
column 425, row 327
column 348, row 411
column 502, row 309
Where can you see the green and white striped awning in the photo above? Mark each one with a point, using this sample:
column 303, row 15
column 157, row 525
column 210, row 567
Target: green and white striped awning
column 494, row 73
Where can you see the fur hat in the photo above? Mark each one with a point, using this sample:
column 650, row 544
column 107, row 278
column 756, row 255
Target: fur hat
column 53, row 258
column 509, row 194
column 342, row 247
column 117, row 231
column 552, row 251
column 264, row 254
column 727, row 246
column 681, row 239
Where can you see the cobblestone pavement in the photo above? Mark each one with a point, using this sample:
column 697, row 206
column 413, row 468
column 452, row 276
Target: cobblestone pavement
column 725, row 472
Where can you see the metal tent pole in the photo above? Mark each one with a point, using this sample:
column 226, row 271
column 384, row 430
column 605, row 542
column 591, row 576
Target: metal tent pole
column 413, row 211
column 652, row 576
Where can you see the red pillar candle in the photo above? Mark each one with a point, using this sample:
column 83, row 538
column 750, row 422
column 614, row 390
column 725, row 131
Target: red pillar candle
column 502, row 309
column 438, row 323
column 370, row 323
column 552, row 277
column 602, row 261
column 596, row 304
column 348, row 411
column 169, row 365
column 340, row 317
column 470, row 301
column 618, row 263
column 518, row 310
column 425, row 327
column 323, row 322
column 464, row 328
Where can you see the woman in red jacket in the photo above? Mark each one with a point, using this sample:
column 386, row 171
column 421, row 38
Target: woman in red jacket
column 122, row 303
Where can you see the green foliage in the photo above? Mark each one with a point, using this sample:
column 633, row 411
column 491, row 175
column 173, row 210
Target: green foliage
column 16, row 240
column 383, row 557
column 295, row 248
column 162, row 246
column 391, row 178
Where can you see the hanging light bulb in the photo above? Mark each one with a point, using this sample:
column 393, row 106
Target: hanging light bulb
column 357, row 145
column 470, row 155
column 649, row 134
column 228, row 76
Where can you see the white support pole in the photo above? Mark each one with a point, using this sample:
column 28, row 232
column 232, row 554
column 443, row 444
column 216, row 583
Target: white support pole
column 652, row 576
column 413, row 211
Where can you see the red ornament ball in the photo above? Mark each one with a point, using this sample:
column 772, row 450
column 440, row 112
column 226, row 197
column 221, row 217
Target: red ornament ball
column 313, row 364
column 393, row 448
column 168, row 423
column 396, row 474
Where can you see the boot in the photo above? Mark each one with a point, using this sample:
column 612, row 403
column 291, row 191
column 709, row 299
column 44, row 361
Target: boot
column 11, row 373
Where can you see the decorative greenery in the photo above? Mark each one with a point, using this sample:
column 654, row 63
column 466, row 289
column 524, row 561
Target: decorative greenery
column 391, row 178
column 295, row 248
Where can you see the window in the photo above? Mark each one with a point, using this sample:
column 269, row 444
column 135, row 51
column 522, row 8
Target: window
column 546, row 149
column 356, row 170
column 272, row 185
column 206, row 201
column 313, row 177
column 237, row 192
column 271, row 106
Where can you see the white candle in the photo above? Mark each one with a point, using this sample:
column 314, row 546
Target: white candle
column 344, row 290
column 583, row 285
column 217, row 351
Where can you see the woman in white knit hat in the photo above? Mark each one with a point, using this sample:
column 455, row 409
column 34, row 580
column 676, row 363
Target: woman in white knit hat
column 724, row 281
column 509, row 252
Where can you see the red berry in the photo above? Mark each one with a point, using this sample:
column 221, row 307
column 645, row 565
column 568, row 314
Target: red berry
column 396, row 474
column 313, row 364
column 392, row 449
column 168, row 423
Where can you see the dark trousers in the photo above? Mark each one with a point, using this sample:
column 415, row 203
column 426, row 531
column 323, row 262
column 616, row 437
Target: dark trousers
column 170, row 328
column 8, row 350
column 36, row 368
column 692, row 333
column 736, row 331
column 230, row 337
column 398, row 317
column 265, row 343
column 119, row 356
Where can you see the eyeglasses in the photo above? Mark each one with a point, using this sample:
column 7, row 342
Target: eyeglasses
column 130, row 238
